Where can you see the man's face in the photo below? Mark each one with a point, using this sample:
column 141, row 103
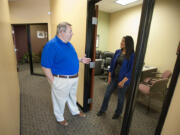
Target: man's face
column 68, row 34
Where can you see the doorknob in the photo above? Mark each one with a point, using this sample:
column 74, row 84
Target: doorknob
column 15, row 49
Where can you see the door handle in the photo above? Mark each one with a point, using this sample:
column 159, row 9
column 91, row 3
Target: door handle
column 15, row 49
column 92, row 64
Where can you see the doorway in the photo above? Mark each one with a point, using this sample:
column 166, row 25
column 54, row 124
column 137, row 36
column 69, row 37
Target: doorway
column 137, row 70
column 29, row 40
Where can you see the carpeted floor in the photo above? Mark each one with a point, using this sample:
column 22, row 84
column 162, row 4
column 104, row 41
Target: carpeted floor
column 37, row 116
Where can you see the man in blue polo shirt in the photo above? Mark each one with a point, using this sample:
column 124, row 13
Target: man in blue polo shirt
column 60, row 64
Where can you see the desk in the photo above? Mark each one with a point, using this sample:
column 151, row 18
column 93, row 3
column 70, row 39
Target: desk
column 147, row 71
column 149, row 68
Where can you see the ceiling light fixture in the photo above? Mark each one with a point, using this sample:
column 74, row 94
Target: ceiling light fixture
column 125, row 2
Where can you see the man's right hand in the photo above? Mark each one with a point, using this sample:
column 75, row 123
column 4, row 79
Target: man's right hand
column 51, row 81
column 49, row 75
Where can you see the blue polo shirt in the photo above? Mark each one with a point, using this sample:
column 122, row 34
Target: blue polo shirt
column 60, row 57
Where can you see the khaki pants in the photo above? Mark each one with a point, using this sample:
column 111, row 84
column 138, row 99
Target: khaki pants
column 64, row 90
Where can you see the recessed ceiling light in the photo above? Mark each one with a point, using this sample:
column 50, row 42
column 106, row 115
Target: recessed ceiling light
column 125, row 2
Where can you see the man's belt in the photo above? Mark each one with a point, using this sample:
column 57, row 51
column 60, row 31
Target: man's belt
column 66, row 76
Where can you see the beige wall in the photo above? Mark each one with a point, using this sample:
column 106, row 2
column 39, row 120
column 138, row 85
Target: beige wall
column 30, row 11
column 103, row 30
column 9, row 88
column 125, row 22
column 164, row 32
column 74, row 12
column 172, row 122
column 164, row 35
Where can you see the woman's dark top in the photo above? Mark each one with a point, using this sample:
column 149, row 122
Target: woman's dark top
column 126, row 67
column 118, row 65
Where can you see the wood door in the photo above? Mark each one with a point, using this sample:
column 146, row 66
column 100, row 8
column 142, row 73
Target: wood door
column 20, row 41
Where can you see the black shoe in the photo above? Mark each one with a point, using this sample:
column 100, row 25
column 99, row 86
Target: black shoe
column 115, row 116
column 100, row 113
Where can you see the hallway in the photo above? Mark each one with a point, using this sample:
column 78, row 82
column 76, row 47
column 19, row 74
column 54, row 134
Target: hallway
column 37, row 117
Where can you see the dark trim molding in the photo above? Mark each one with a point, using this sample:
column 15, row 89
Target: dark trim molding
column 28, row 24
column 89, row 53
column 145, row 22
column 169, row 96
column 29, row 49
column 80, row 106
column 36, row 74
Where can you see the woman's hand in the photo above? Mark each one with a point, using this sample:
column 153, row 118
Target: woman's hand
column 121, row 84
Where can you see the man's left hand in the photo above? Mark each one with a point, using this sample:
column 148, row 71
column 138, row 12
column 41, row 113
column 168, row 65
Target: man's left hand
column 85, row 60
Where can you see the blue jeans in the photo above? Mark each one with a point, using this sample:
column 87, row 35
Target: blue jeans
column 121, row 94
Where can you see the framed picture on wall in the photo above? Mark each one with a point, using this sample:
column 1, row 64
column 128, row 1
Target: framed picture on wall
column 97, row 41
column 40, row 34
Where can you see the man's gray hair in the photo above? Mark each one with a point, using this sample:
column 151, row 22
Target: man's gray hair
column 62, row 27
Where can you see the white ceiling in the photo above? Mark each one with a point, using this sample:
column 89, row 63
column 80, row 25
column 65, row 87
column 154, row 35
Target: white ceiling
column 110, row 6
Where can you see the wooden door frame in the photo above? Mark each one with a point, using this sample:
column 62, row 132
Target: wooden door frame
column 90, row 52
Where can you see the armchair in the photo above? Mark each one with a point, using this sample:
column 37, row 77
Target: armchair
column 153, row 85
